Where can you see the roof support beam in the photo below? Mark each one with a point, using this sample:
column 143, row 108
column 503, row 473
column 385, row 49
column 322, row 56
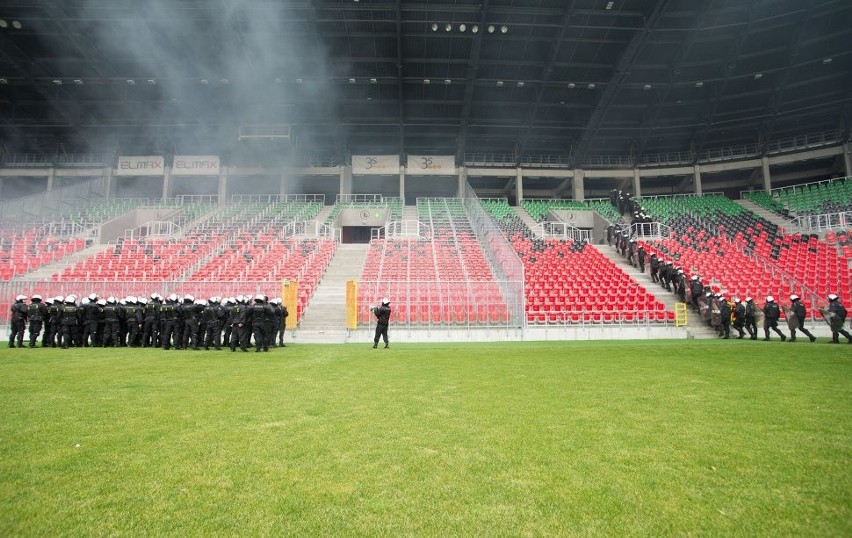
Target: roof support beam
column 547, row 71
column 472, row 71
column 650, row 119
column 622, row 70
column 399, row 77
column 700, row 136
column 774, row 103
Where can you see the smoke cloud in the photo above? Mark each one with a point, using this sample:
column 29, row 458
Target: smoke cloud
column 200, row 70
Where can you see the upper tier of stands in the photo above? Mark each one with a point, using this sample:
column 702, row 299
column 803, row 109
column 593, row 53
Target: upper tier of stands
column 573, row 282
column 815, row 198
column 538, row 208
column 441, row 279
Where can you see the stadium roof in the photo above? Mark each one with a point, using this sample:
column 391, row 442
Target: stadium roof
column 574, row 79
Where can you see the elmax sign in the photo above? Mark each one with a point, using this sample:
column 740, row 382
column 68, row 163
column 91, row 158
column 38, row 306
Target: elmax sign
column 151, row 165
column 195, row 165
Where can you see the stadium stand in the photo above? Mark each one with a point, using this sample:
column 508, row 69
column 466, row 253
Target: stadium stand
column 538, row 208
column 809, row 199
column 441, row 279
column 723, row 241
column 570, row 282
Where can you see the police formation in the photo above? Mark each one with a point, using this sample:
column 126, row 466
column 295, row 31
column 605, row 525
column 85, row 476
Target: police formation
column 714, row 308
column 167, row 323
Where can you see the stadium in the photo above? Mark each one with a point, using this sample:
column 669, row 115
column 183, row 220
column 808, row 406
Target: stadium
column 533, row 186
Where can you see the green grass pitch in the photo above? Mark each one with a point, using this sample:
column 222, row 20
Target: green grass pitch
column 501, row 439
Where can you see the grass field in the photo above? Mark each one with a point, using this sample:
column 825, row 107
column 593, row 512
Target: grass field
column 621, row 438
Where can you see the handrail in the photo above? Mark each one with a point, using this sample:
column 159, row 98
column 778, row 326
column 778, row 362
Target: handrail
column 806, row 294
column 825, row 221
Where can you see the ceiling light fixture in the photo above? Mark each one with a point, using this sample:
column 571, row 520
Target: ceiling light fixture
column 591, row 85
column 758, row 76
column 520, row 84
column 699, row 84
column 448, row 27
column 646, row 87
column 152, row 82
column 57, row 82
column 298, row 80
column 78, row 82
column 447, row 81
column 4, row 81
column 203, row 81
column 16, row 25
column 571, row 85
column 374, row 81
column 427, row 81
column 826, row 61
column 351, row 81
column 499, row 82
column 131, row 82
column 475, row 29
column 462, row 27
column 609, row 4
column 225, row 81
column 504, row 29
column 434, row 26
column 3, row 23
column 490, row 28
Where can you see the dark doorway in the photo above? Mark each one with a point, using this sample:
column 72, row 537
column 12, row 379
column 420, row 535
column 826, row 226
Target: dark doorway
column 355, row 234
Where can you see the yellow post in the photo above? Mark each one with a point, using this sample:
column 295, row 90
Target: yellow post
column 680, row 315
column 290, row 299
column 351, row 304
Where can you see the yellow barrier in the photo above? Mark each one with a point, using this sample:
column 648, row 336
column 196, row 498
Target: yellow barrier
column 290, row 299
column 681, row 318
column 351, row 304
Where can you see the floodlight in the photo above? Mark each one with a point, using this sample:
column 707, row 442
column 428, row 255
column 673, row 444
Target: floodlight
column 591, row 85
column 78, row 82
column 3, row 23
column 490, row 28
column 448, row 27
column 475, row 29
column 16, row 25
column 434, row 27
column 503, row 29
column 462, row 27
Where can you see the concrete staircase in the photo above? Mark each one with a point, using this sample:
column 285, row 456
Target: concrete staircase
column 695, row 327
column 409, row 212
column 766, row 214
column 324, row 319
column 528, row 220
column 45, row 272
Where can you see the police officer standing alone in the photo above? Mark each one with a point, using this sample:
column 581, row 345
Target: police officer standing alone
column 382, row 314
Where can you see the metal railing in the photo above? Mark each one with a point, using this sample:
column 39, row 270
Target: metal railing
column 791, row 285
column 827, row 221
column 649, row 231
column 564, row 230
column 153, row 228
column 803, row 142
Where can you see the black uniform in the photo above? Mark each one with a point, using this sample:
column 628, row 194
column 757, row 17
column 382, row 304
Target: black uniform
column 258, row 316
column 655, row 268
column 751, row 320
column 51, row 325
column 801, row 313
column 382, row 314
column 151, row 324
column 18, row 323
column 112, row 325
column 212, row 318
column 36, row 314
column 238, row 320
column 739, row 318
column 92, row 321
column 640, row 257
column 724, row 318
column 133, row 321
column 771, row 314
column 190, row 313
column 696, row 288
column 168, row 320
column 837, row 329
column 68, row 324
column 227, row 328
